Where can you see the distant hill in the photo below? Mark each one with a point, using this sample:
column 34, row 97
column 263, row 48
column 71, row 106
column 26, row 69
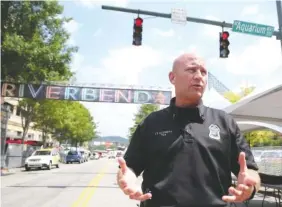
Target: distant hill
column 118, row 139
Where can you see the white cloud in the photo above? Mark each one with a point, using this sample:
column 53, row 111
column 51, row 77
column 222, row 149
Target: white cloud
column 72, row 27
column 263, row 57
column 120, row 67
column 124, row 65
column 252, row 13
column 96, row 3
column 191, row 49
column 77, row 62
column 113, row 118
column 168, row 33
column 211, row 30
column 250, row 10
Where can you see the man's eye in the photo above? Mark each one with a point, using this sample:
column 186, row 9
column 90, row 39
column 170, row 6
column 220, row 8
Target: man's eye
column 190, row 70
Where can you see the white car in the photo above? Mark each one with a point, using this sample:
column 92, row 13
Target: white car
column 44, row 158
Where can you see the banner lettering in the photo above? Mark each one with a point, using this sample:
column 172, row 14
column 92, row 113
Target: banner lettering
column 89, row 94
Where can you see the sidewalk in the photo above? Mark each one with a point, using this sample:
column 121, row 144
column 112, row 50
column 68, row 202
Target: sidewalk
column 10, row 171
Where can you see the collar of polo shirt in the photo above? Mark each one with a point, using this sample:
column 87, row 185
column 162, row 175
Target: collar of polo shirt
column 174, row 109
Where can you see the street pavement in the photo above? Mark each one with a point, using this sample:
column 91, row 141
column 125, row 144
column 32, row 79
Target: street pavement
column 72, row 185
column 90, row 184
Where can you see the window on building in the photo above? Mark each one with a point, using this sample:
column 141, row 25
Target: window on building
column 10, row 106
column 30, row 136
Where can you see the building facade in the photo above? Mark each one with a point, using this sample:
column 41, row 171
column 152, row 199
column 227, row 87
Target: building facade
column 14, row 127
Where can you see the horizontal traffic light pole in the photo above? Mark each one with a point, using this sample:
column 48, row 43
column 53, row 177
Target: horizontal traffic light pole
column 189, row 19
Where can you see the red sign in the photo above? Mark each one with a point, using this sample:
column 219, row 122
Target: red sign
column 19, row 141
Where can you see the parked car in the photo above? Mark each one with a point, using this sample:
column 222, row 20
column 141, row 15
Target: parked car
column 111, row 155
column 44, row 158
column 84, row 155
column 74, row 156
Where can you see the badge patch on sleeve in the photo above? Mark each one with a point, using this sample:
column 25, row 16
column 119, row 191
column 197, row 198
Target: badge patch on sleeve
column 214, row 132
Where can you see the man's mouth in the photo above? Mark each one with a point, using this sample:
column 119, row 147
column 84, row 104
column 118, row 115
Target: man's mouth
column 197, row 86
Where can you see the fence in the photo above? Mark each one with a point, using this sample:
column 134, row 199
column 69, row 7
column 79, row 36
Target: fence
column 271, row 163
column 16, row 156
column 267, row 148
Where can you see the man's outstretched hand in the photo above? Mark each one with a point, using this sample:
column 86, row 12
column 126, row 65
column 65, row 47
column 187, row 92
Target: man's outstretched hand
column 245, row 184
column 127, row 182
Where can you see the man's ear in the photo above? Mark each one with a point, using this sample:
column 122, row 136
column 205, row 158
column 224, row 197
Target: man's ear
column 171, row 77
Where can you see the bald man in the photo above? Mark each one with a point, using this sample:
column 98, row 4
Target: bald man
column 188, row 151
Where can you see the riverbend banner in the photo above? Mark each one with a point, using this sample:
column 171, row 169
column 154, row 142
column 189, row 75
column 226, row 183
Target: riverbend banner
column 89, row 94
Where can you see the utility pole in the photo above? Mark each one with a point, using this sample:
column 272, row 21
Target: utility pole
column 279, row 14
column 189, row 19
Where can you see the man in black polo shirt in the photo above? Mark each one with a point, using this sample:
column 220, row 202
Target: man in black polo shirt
column 187, row 151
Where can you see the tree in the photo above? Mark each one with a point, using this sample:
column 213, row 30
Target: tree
column 34, row 41
column 82, row 127
column 34, row 46
column 263, row 138
column 234, row 97
column 46, row 117
column 28, row 109
column 65, row 120
column 142, row 113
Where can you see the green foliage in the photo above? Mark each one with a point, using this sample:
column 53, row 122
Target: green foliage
column 258, row 137
column 33, row 42
column 234, row 97
column 34, row 49
column 65, row 120
column 142, row 113
column 263, row 138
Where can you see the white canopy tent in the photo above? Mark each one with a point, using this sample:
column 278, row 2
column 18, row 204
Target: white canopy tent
column 262, row 109
column 246, row 126
column 213, row 99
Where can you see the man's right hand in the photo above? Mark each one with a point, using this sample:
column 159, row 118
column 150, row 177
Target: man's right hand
column 127, row 182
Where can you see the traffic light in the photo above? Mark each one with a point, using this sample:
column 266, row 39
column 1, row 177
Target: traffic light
column 224, row 43
column 137, row 34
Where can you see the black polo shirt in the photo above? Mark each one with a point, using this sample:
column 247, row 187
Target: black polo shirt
column 187, row 155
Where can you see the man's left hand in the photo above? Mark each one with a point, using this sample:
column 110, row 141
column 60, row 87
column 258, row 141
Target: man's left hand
column 245, row 184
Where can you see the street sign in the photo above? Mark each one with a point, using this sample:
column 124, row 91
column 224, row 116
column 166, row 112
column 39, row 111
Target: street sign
column 252, row 28
column 178, row 16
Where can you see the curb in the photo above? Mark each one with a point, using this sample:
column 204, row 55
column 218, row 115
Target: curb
column 6, row 171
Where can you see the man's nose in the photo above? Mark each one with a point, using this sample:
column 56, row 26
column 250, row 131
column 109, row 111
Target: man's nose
column 198, row 75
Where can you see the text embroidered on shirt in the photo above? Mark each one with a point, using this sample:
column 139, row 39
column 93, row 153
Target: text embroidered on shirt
column 163, row 133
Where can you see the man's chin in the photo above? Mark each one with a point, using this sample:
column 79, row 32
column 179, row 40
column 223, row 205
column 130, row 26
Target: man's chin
column 195, row 96
column 198, row 95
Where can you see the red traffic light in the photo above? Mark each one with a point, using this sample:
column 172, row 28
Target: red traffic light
column 138, row 22
column 225, row 35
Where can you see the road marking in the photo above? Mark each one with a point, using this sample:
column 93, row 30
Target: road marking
column 92, row 183
column 94, row 188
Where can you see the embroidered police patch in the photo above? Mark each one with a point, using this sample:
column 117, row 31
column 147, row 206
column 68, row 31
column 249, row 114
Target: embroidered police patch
column 214, row 132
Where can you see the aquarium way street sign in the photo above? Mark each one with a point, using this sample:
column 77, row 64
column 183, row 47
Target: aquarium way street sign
column 252, row 28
